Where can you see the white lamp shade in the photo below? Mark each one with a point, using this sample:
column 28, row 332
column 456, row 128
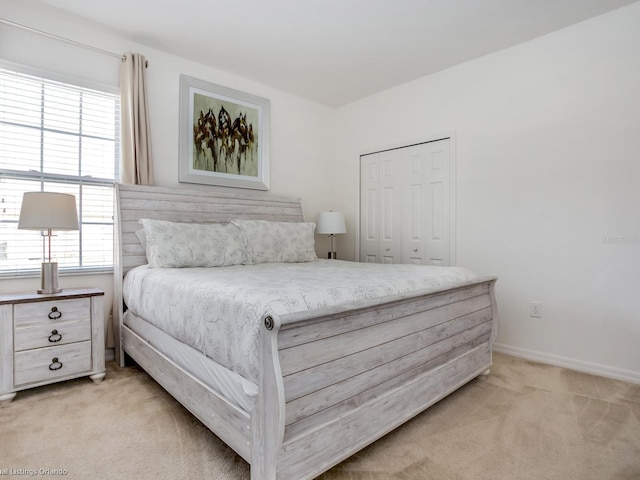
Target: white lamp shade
column 330, row 223
column 48, row 210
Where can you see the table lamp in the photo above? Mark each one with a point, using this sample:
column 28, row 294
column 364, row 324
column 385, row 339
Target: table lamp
column 331, row 223
column 48, row 211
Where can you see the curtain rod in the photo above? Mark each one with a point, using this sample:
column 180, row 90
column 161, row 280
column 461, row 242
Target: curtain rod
column 62, row 39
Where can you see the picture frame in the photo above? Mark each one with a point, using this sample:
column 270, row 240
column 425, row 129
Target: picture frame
column 224, row 136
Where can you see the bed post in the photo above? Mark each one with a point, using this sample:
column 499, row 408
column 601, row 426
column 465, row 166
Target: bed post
column 117, row 307
column 267, row 418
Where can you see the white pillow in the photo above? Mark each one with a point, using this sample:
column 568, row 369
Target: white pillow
column 141, row 238
column 286, row 242
column 175, row 244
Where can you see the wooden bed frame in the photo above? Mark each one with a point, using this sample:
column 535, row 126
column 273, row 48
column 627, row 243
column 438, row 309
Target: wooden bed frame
column 332, row 380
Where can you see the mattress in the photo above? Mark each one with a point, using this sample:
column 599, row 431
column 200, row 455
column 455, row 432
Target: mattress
column 218, row 311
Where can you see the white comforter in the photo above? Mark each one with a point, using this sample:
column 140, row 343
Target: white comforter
column 219, row 310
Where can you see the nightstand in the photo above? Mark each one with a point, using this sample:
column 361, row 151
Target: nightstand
column 50, row 338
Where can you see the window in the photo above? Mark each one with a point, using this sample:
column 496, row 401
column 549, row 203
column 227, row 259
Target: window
column 64, row 138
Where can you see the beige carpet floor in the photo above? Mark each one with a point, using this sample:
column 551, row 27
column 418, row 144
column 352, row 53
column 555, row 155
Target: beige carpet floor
column 523, row 422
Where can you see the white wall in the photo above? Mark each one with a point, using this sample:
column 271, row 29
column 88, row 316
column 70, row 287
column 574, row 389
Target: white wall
column 548, row 175
column 302, row 131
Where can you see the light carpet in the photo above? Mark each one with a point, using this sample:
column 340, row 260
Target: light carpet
column 525, row 421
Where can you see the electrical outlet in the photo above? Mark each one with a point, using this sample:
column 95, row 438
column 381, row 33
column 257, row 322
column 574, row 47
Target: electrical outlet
column 535, row 309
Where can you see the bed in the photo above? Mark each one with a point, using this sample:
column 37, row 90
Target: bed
column 322, row 372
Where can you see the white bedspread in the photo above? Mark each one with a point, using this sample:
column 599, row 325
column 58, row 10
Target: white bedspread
column 219, row 310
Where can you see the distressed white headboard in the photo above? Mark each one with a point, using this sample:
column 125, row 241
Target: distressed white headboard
column 134, row 202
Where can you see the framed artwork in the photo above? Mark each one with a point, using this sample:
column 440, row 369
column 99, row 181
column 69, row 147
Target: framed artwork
column 224, row 136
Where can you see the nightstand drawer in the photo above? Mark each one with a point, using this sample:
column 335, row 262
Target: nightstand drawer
column 47, row 364
column 53, row 335
column 48, row 313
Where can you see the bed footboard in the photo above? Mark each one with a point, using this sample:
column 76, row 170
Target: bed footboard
column 335, row 383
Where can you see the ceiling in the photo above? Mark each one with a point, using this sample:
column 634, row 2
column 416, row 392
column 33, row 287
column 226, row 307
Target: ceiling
column 333, row 51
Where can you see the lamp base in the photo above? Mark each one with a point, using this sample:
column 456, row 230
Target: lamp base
column 49, row 278
column 331, row 255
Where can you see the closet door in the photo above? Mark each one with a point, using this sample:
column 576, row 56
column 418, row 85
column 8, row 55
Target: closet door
column 405, row 206
column 415, row 208
column 370, row 208
column 381, row 200
column 391, row 202
column 438, row 203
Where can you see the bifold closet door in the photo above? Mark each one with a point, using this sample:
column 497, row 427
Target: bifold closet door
column 370, row 208
column 405, row 205
column 426, row 226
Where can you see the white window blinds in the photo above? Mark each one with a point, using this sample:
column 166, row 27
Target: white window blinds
column 63, row 138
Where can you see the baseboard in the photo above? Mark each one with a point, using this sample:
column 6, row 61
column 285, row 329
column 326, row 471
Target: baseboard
column 570, row 363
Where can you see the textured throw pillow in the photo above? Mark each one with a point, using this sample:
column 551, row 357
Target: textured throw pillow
column 285, row 242
column 175, row 244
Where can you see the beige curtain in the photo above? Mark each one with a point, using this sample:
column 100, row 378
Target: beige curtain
column 136, row 165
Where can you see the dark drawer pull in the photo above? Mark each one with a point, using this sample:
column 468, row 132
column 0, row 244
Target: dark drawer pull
column 55, row 364
column 55, row 336
column 55, row 314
